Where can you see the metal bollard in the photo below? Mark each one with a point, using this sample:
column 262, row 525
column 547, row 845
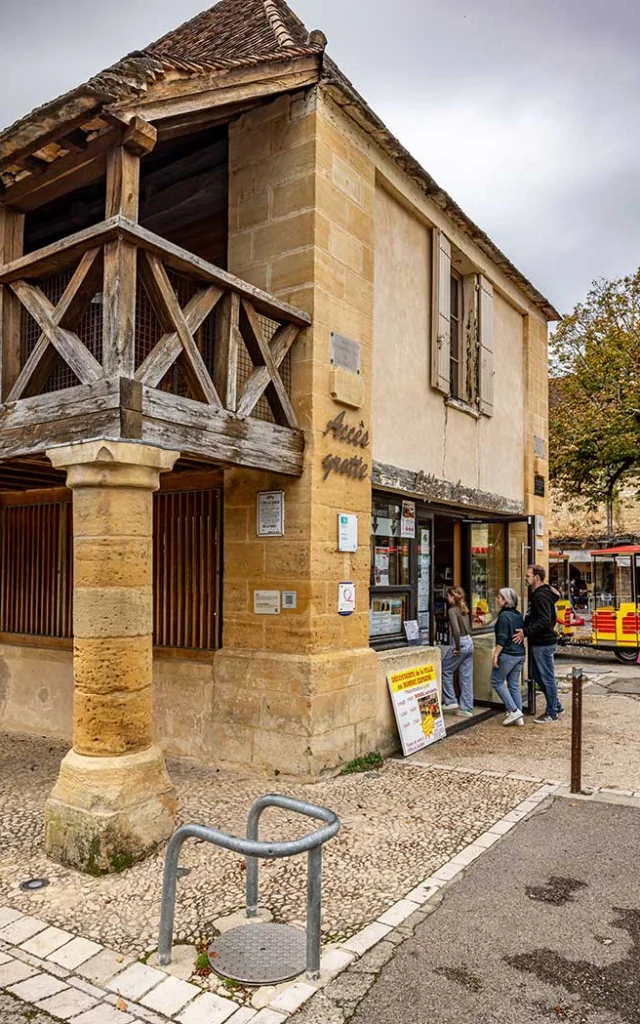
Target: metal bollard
column 576, row 730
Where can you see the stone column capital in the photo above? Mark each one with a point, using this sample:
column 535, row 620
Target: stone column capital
column 113, row 463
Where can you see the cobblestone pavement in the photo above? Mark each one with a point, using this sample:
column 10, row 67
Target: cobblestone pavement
column 397, row 827
column 611, row 731
column 52, row 971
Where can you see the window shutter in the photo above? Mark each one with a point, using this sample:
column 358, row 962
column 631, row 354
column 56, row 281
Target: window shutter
column 470, row 290
column 485, row 322
column 441, row 323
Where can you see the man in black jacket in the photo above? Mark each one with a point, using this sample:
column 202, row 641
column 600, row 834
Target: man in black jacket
column 540, row 630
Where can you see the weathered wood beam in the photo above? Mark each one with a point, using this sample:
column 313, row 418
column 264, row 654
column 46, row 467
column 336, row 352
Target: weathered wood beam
column 61, row 417
column 11, row 248
column 199, row 431
column 59, row 255
column 206, row 92
column 259, row 350
column 259, row 380
column 71, row 307
column 194, row 366
column 225, row 352
column 64, row 174
column 166, row 351
column 123, row 184
column 120, row 261
column 68, row 344
column 140, row 137
column 179, row 259
column 39, row 131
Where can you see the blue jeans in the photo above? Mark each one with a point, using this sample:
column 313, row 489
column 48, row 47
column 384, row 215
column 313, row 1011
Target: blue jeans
column 463, row 664
column 505, row 680
column 544, row 674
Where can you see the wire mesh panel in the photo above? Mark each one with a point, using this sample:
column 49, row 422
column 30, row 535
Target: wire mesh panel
column 88, row 329
column 185, row 569
column 37, row 569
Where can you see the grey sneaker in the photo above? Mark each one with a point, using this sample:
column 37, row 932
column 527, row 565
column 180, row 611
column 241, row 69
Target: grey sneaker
column 449, row 707
column 464, row 714
column 544, row 720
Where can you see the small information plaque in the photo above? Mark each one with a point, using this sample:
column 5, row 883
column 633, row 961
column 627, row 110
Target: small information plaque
column 347, row 532
column 345, row 353
column 346, row 598
column 270, row 514
column 266, row 602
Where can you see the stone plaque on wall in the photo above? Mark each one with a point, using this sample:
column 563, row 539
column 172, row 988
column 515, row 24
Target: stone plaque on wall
column 538, row 486
column 538, row 446
column 345, row 353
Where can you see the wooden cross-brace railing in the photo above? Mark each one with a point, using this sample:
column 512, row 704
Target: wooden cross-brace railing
column 90, row 257
column 238, row 317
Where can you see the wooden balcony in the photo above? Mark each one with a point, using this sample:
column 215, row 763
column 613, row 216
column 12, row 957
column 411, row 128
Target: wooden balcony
column 115, row 332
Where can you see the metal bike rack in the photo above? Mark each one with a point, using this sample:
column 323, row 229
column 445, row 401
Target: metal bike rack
column 257, row 954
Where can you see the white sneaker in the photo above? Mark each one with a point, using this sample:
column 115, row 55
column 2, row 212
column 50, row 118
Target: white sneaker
column 513, row 717
column 450, row 707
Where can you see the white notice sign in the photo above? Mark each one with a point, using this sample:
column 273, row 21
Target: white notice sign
column 347, row 532
column 416, row 705
column 266, row 602
column 346, row 598
column 270, row 514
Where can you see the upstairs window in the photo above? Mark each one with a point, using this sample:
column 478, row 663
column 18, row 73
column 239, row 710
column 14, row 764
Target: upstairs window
column 462, row 341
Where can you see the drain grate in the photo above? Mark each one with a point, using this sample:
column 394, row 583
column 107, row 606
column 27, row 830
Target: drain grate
column 259, row 954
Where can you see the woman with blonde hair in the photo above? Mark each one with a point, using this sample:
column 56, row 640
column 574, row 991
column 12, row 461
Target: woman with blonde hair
column 508, row 656
column 459, row 657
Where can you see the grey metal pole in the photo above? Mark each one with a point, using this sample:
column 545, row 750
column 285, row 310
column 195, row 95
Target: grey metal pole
column 165, row 936
column 252, row 863
column 576, row 730
column 314, row 911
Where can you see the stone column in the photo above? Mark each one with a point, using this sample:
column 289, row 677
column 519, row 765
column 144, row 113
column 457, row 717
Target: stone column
column 113, row 802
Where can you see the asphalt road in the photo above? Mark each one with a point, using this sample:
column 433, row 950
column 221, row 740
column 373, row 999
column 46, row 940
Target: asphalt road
column 544, row 927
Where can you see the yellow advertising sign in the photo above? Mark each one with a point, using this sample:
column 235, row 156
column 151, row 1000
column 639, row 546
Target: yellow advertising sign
column 417, row 676
column 416, row 705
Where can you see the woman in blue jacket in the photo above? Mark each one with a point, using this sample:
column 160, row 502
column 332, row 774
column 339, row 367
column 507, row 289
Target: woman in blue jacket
column 508, row 657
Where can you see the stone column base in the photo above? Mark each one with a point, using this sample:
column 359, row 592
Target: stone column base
column 106, row 813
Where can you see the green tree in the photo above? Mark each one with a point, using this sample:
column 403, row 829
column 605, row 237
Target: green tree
column 594, row 404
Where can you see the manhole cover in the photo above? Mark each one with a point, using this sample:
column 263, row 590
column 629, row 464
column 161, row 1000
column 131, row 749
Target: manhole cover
column 259, row 954
column 34, row 883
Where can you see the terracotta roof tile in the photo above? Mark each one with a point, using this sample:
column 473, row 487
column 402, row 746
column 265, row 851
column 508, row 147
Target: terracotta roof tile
column 234, row 32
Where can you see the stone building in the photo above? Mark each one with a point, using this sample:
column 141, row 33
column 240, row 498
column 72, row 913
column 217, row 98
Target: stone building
column 234, row 309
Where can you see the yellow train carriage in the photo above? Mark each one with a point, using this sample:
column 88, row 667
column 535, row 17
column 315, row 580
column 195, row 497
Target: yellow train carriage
column 616, row 587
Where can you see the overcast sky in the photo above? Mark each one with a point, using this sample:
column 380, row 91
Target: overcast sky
column 525, row 111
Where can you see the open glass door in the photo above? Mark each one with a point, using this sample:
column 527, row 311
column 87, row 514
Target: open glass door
column 500, row 549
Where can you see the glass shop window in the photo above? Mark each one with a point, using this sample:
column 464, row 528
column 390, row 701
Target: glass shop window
column 390, row 571
column 488, row 572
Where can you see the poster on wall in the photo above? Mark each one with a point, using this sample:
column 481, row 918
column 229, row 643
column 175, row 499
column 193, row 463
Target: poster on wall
column 408, row 521
column 385, row 616
column 416, row 705
column 381, row 567
column 270, row 514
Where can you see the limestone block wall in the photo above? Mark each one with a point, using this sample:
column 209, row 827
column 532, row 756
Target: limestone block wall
column 36, row 696
column 574, row 520
column 297, row 690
